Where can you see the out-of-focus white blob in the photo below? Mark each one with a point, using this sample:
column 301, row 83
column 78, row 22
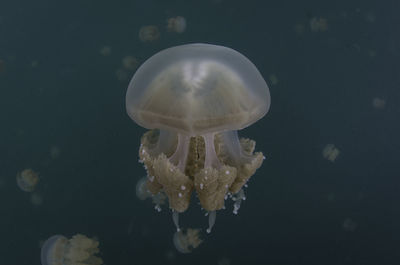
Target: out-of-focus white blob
column 176, row 24
column 121, row 74
column 149, row 33
column 130, row 62
column 141, row 190
column 349, row 225
column 299, row 28
column 79, row 250
column 330, row 152
column 185, row 240
column 143, row 193
column 370, row 17
column 27, row 180
column 36, row 199
column 170, row 255
column 273, row 79
column 34, row 64
column 105, row 50
column 378, row 103
column 54, row 152
column 318, row 24
column 224, row 261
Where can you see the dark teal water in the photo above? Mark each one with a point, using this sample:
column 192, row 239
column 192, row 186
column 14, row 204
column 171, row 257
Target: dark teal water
column 57, row 90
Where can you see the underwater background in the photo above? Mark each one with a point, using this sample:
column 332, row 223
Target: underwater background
column 333, row 72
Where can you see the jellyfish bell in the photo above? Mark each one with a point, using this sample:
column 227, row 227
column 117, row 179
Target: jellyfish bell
column 194, row 98
column 176, row 24
column 27, row 180
column 59, row 250
column 186, row 240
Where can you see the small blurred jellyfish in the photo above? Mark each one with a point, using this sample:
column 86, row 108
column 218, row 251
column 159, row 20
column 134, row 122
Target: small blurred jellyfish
column 224, row 261
column 378, row 103
column 149, row 33
column 371, row 53
column 176, row 24
column 330, row 152
column 34, row 64
column 349, row 225
column 27, row 180
column 141, row 190
column 318, row 24
column 105, row 50
column 299, row 28
column 370, row 17
column 54, row 152
column 121, row 74
column 36, row 199
column 331, row 197
column 143, row 193
column 79, row 250
column 130, row 62
column 274, row 79
column 185, row 240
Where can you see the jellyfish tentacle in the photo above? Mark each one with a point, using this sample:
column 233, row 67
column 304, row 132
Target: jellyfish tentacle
column 212, row 215
column 211, row 159
column 175, row 218
column 180, row 155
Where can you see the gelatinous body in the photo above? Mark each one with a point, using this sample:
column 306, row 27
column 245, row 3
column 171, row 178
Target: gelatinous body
column 187, row 239
column 27, row 180
column 176, row 24
column 79, row 250
column 149, row 33
column 194, row 98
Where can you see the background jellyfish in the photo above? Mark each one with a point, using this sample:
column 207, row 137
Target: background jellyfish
column 27, row 180
column 186, row 240
column 149, row 33
column 176, row 24
column 79, row 250
column 195, row 97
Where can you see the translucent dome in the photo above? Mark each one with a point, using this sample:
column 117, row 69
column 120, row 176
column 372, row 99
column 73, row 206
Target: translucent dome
column 194, row 89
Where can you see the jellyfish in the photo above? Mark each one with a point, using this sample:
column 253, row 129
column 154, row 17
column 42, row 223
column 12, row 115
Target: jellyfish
column 79, row 250
column 143, row 193
column 378, row 103
column 27, row 180
column 194, row 98
column 176, row 24
column 149, row 33
column 186, row 240
column 330, row 152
